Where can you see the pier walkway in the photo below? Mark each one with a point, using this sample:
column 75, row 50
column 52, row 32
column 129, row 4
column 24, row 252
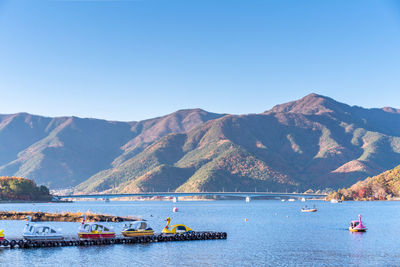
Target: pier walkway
column 75, row 241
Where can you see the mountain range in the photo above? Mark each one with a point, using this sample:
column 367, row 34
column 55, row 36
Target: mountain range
column 314, row 142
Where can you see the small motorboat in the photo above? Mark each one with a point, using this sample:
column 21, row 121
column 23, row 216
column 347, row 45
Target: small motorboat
column 1, row 235
column 334, row 200
column 291, row 199
column 40, row 232
column 303, row 199
column 357, row 226
column 176, row 228
column 174, row 209
column 94, row 230
column 307, row 209
column 283, row 200
column 139, row 228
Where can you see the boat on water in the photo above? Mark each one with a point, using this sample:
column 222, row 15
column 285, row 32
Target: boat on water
column 33, row 231
column 357, row 225
column 303, row 199
column 95, row 230
column 283, row 200
column 1, row 235
column 307, row 209
column 334, row 200
column 176, row 228
column 291, row 199
column 174, row 209
column 138, row 228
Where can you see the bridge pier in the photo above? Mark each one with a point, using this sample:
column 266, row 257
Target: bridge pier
column 248, row 199
column 175, row 199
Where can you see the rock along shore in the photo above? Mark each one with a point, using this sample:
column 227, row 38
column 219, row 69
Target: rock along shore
column 38, row 216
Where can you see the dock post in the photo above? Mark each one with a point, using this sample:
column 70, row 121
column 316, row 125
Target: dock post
column 247, row 199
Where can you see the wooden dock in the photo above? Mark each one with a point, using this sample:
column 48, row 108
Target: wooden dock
column 69, row 241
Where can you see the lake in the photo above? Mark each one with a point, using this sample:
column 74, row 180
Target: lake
column 276, row 234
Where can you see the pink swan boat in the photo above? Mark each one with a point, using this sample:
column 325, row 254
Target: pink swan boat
column 357, row 226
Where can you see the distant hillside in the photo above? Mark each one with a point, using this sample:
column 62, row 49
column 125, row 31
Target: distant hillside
column 147, row 131
column 380, row 187
column 315, row 142
column 65, row 151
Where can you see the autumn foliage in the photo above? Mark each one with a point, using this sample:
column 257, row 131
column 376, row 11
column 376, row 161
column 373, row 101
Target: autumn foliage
column 381, row 187
column 18, row 188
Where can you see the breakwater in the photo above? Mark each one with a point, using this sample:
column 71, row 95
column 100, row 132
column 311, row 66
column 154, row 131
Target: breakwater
column 37, row 216
column 74, row 241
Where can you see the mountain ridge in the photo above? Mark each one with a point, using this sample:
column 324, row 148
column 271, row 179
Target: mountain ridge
column 64, row 151
column 314, row 142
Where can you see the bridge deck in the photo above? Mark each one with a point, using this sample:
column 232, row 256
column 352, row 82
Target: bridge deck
column 185, row 194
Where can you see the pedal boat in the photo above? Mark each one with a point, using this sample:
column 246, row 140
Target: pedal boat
column 41, row 232
column 306, row 209
column 176, row 228
column 139, row 228
column 357, row 226
column 94, row 230
column 1, row 235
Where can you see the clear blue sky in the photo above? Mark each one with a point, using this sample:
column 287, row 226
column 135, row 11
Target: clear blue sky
column 132, row 60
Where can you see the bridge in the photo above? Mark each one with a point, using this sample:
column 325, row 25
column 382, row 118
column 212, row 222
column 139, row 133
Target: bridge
column 175, row 195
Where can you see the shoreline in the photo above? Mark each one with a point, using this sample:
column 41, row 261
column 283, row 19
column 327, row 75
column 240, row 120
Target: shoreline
column 31, row 201
column 38, row 216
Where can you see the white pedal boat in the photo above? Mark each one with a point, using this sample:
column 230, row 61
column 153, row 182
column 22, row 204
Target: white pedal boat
column 33, row 231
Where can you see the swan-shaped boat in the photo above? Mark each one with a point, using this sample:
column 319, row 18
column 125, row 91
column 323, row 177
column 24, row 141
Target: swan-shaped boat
column 40, row 232
column 1, row 235
column 176, row 228
column 357, row 226
column 94, row 230
column 139, row 228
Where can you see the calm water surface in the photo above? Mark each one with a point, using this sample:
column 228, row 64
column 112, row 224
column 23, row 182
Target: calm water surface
column 276, row 234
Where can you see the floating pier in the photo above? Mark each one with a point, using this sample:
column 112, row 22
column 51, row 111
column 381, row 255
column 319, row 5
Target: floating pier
column 75, row 241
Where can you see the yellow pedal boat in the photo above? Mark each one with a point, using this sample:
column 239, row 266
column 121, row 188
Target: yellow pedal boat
column 139, row 228
column 176, row 228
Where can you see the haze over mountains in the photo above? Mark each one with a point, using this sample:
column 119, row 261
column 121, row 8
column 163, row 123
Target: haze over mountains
column 315, row 142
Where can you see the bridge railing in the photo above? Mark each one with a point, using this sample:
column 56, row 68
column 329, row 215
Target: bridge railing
column 246, row 195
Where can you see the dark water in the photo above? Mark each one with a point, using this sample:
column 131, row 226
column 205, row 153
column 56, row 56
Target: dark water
column 276, row 234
